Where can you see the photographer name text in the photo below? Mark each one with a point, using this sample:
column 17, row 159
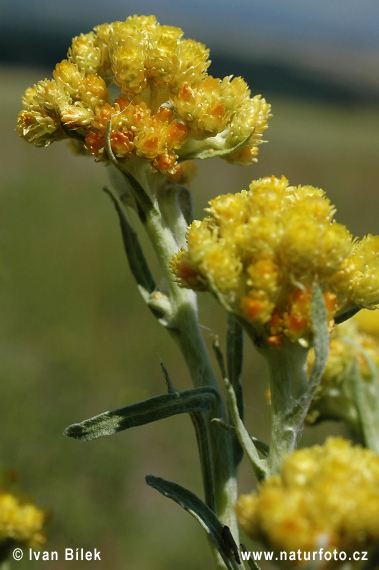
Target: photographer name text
column 68, row 554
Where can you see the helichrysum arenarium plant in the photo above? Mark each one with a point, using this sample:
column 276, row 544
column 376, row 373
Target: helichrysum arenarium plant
column 137, row 96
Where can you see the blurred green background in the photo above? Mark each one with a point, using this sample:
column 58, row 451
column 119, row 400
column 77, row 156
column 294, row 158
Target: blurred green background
column 76, row 339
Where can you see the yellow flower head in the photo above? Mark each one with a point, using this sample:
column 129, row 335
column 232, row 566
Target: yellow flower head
column 260, row 252
column 324, row 496
column 166, row 109
column 21, row 522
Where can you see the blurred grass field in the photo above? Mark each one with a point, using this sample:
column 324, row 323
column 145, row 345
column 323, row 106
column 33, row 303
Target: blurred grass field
column 76, row 339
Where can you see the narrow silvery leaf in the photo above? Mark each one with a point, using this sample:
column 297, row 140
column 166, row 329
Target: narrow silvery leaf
column 185, row 202
column 143, row 200
column 234, row 358
column 234, row 361
column 136, row 259
column 202, row 437
column 211, row 153
column 259, row 465
column 262, row 446
column 140, row 413
column 122, row 190
column 199, row 510
column 321, row 348
column 343, row 316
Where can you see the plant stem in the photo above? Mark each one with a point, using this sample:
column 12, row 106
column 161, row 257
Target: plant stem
column 288, row 382
column 185, row 330
column 163, row 224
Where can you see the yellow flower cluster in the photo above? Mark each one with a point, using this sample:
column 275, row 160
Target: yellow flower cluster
column 167, row 106
column 334, row 399
column 260, row 252
column 325, row 496
column 21, row 522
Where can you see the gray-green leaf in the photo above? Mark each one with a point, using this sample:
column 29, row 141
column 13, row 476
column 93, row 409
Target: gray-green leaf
column 147, row 411
column 199, row 510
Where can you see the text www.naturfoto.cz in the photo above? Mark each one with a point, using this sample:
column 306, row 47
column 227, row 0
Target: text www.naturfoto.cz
column 299, row 555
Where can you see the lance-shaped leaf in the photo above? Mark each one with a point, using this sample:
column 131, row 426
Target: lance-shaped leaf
column 343, row 316
column 321, row 348
column 185, row 202
column 234, row 361
column 247, row 443
column 234, row 358
column 262, row 446
column 136, row 259
column 211, row 152
column 259, row 465
column 200, row 424
column 145, row 412
column 202, row 437
column 203, row 514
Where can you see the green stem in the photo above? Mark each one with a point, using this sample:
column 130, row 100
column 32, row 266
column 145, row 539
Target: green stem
column 291, row 389
column 185, row 330
column 162, row 224
column 288, row 382
column 188, row 336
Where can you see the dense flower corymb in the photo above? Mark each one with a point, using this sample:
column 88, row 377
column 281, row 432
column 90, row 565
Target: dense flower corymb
column 324, row 496
column 167, row 107
column 260, row 252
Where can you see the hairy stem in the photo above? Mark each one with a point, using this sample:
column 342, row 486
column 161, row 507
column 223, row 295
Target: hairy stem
column 163, row 224
column 288, row 382
column 185, row 329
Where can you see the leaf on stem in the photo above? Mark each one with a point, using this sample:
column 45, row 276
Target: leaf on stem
column 321, row 348
column 147, row 411
column 203, row 444
column 202, row 437
column 344, row 316
column 185, row 202
column 259, row 465
column 262, row 446
column 211, row 153
column 234, row 361
column 203, row 514
column 136, row 259
column 234, row 358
